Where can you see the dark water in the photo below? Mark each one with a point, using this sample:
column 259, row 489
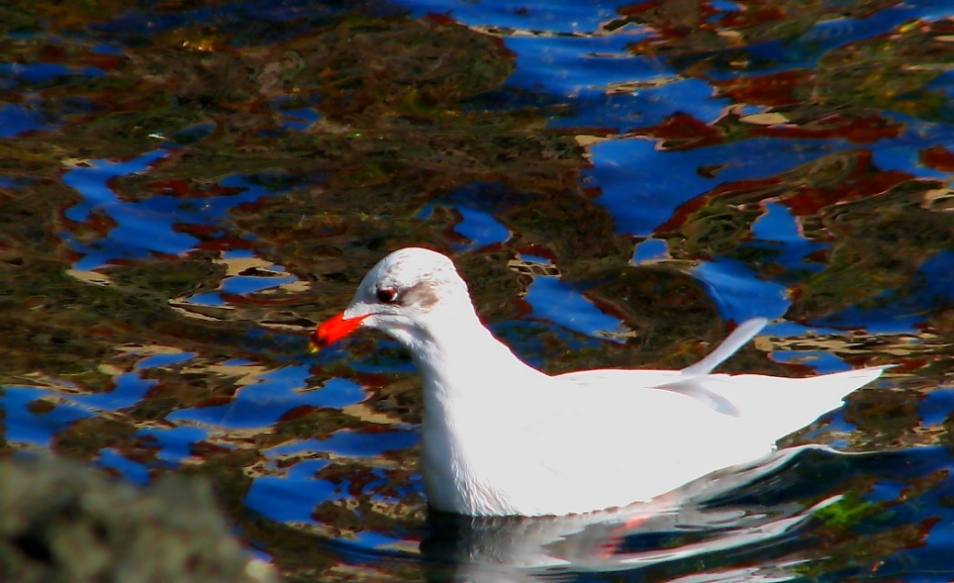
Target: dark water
column 187, row 187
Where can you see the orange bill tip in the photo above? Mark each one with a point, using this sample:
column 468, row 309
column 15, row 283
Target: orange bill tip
column 332, row 330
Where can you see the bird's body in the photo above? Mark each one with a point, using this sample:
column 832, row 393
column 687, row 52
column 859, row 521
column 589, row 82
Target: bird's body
column 502, row 438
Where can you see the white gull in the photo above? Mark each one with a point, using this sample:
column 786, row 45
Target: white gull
column 501, row 438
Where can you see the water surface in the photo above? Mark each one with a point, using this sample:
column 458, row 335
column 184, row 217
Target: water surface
column 187, row 188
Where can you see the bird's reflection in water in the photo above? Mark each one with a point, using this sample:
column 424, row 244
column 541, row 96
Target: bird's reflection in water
column 742, row 524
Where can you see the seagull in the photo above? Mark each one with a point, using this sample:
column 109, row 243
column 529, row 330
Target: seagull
column 501, row 438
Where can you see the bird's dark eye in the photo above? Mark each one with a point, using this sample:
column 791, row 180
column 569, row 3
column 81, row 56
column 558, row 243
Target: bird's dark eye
column 386, row 295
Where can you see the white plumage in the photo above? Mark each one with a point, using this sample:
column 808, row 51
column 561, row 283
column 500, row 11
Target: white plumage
column 502, row 438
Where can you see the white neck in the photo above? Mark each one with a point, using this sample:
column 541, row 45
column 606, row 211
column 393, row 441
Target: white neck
column 470, row 381
column 456, row 357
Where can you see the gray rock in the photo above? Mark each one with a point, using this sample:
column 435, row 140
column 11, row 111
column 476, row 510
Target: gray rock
column 66, row 522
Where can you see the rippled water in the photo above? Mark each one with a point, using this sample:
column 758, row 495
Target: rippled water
column 186, row 189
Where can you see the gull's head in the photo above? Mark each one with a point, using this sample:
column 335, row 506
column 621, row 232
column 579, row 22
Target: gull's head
column 404, row 295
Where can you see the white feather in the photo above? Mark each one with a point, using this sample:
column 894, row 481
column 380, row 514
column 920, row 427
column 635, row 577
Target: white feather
column 501, row 438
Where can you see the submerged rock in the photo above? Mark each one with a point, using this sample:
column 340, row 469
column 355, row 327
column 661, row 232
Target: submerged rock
column 62, row 521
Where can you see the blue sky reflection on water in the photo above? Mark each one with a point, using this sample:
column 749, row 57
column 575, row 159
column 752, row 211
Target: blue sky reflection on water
column 22, row 426
column 891, row 311
column 642, row 191
column 148, row 226
column 641, row 187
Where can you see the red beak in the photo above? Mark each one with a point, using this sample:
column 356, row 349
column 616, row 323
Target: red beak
column 332, row 330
